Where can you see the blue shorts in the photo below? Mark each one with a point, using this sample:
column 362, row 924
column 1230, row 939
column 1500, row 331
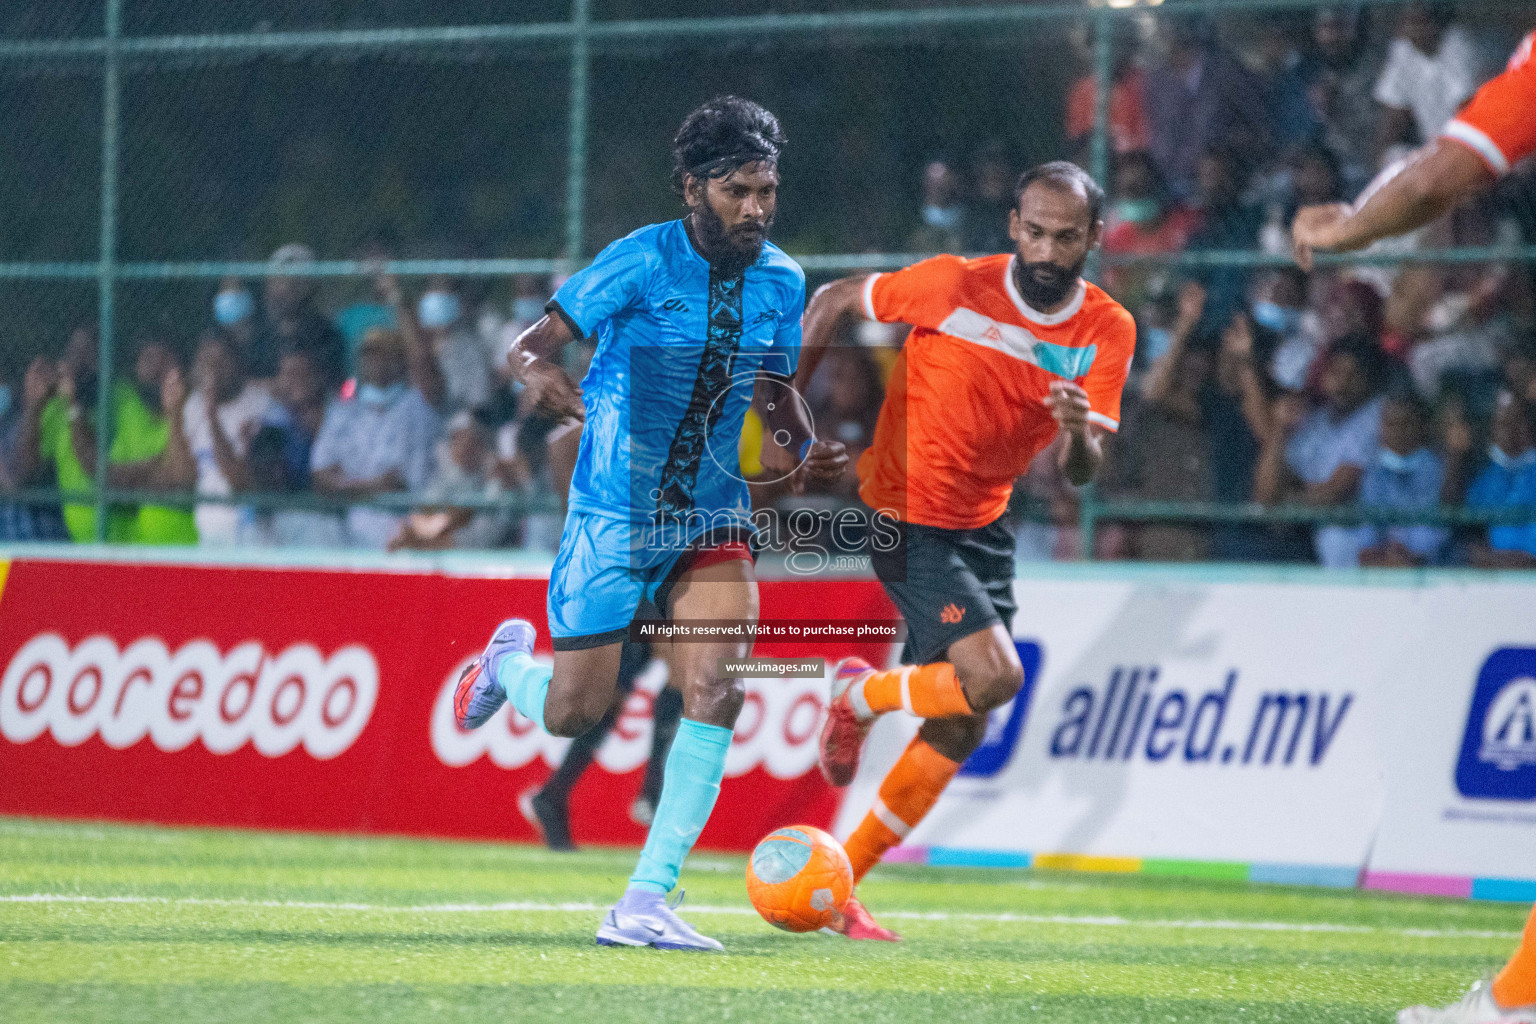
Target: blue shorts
column 606, row 567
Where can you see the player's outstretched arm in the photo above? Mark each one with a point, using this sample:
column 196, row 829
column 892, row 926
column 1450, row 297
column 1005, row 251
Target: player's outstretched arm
column 529, row 357
column 1404, row 196
column 823, row 315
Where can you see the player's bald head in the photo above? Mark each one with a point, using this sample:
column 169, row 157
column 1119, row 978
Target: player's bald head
column 1064, row 177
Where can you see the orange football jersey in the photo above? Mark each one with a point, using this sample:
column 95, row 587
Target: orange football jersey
column 964, row 413
column 1499, row 122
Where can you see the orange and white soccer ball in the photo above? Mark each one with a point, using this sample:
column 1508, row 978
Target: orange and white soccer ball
column 799, row 878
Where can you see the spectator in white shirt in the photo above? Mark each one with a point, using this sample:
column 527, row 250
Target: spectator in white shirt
column 224, row 410
column 382, row 440
column 1432, row 69
column 460, row 355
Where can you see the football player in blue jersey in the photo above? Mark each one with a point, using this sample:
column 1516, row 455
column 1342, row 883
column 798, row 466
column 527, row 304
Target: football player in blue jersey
column 694, row 319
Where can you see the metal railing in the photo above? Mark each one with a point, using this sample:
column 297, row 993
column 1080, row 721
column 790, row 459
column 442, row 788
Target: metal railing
column 583, row 37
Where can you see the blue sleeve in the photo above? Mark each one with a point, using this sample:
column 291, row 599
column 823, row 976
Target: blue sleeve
column 784, row 358
column 612, row 283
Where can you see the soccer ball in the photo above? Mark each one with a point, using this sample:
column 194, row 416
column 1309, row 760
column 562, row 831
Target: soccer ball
column 799, row 878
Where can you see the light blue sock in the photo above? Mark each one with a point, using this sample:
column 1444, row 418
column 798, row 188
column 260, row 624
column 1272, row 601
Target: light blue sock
column 695, row 767
column 526, row 683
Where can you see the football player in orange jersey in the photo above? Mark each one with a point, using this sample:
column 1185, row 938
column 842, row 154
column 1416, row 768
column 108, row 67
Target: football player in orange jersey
column 1006, row 353
column 1495, row 130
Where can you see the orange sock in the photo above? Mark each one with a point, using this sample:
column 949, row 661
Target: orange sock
column 1516, row 984
column 927, row 691
column 909, row 791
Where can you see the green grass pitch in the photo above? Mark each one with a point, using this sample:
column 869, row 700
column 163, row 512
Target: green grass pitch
column 106, row 924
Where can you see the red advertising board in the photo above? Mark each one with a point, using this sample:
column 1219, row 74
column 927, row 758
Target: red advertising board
column 319, row 700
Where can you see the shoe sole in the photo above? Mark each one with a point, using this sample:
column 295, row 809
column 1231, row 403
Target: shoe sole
column 674, row 947
column 841, row 680
column 463, row 694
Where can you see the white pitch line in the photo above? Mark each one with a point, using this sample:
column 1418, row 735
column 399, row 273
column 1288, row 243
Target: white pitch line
column 898, row 915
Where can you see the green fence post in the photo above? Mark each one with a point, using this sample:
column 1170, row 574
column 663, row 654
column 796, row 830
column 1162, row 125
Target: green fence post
column 576, row 154
column 1103, row 81
column 106, row 260
column 1098, row 161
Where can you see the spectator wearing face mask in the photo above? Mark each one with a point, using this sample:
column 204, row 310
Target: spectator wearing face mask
column 234, row 313
column 380, row 441
column 459, row 354
column 1282, row 308
column 1508, row 481
column 225, row 410
column 1407, row 475
column 943, row 214
column 1143, row 219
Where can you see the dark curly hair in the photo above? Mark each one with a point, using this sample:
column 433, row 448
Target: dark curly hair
column 723, row 135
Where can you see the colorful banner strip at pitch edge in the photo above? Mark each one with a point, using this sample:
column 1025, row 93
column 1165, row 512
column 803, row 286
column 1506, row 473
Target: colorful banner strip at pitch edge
column 1511, row 890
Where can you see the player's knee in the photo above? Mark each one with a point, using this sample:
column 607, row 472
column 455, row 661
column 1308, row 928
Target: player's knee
column 715, row 701
column 991, row 681
column 571, row 718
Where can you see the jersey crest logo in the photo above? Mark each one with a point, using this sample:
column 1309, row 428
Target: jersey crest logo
column 952, row 614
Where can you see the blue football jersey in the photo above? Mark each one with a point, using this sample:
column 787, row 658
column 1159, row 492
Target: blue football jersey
column 678, row 351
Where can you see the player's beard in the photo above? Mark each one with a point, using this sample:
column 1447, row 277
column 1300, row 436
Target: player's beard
column 1044, row 284
column 730, row 252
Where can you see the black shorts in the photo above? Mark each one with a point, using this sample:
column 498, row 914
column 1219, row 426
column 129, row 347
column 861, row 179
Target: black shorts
column 948, row 584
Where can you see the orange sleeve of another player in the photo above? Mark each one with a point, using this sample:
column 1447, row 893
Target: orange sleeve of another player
column 1115, row 341
column 1499, row 123
column 922, row 295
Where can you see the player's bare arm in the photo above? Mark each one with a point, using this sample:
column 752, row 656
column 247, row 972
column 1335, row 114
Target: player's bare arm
column 1082, row 452
column 530, row 359
column 1432, row 181
column 824, row 314
column 790, row 429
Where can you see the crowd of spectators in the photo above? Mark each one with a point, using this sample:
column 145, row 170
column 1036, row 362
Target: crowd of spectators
column 1397, row 387
column 1402, row 387
column 391, row 425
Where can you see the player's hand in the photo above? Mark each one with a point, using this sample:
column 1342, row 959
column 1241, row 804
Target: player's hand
column 1068, row 403
column 65, row 386
column 825, row 463
column 552, row 391
column 1316, row 227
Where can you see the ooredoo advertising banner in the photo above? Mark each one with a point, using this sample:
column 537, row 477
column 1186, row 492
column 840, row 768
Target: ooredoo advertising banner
column 305, row 699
